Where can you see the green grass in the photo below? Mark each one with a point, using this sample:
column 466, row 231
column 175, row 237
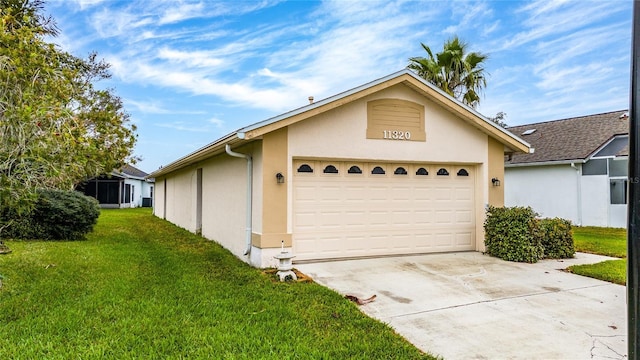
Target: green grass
column 139, row 287
column 614, row 271
column 602, row 241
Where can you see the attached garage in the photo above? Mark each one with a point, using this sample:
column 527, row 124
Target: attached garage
column 393, row 167
column 354, row 209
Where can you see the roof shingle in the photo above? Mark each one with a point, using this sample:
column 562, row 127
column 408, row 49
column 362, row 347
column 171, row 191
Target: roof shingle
column 569, row 139
column 132, row 171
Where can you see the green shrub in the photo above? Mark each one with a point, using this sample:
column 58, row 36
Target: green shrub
column 513, row 234
column 57, row 215
column 557, row 238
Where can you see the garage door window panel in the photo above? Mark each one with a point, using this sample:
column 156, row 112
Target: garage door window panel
column 330, row 169
column 443, row 172
column 305, row 168
column 378, row 170
column 422, row 172
column 400, row 171
column 354, row 170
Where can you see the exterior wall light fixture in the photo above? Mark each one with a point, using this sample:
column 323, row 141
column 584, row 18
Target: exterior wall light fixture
column 280, row 178
column 495, row 182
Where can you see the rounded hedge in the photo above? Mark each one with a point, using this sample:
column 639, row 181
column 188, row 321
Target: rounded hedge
column 57, row 215
column 513, row 233
column 557, row 238
column 516, row 234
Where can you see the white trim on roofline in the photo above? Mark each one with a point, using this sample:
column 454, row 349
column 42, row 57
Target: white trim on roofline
column 563, row 162
column 546, row 163
column 373, row 83
column 240, row 133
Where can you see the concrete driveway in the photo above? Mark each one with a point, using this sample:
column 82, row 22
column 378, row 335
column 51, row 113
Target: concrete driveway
column 473, row 306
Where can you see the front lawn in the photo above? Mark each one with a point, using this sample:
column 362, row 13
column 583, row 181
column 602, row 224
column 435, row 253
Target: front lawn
column 140, row 287
column 602, row 241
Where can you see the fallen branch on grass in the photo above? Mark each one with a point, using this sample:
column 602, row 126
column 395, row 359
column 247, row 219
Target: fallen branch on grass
column 359, row 301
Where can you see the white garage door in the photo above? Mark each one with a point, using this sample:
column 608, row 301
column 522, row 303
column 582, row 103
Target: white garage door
column 351, row 209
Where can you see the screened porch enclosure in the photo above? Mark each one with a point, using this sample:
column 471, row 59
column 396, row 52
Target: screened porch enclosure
column 111, row 192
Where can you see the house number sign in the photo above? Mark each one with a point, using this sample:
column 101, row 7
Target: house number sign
column 396, row 135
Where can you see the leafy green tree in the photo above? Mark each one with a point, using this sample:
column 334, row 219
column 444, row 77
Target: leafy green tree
column 56, row 127
column 499, row 119
column 458, row 72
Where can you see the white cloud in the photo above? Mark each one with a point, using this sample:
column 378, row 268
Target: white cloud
column 490, row 28
column 276, row 64
column 468, row 14
column 151, row 107
column 181, row 12
column 190, row 59
column 571, row 79
column 85, row 4
column 118, row 23
column 181, row 126
column 337, row 59
column 543, row 18
column 217, row 122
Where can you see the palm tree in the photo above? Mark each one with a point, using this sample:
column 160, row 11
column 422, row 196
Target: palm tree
column 459, row 74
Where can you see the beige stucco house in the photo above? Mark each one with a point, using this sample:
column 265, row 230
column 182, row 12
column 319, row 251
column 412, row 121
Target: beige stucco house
column 394, row 166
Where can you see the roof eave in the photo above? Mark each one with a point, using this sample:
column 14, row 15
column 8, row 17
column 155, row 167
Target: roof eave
column 507, row 138
column 546, row 163
column 198, row 155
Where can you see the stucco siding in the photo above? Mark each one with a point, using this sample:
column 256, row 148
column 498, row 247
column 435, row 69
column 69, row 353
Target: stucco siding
column 138, row 188
column 618, row 216
column 595, row 200
column 341, row 133
column 550, row 190
column 224, row 192
column 146, row 189
column 496, row 171
column 258, row 191
column 159, row 198
column 180, row 197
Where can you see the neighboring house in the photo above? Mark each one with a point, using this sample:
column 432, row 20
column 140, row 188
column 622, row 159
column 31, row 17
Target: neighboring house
column 578, row 170
column 391, row 167
column 123, row 188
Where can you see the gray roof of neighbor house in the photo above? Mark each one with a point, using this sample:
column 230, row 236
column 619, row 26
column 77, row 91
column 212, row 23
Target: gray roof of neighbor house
column 573, row 139
column 130, row 171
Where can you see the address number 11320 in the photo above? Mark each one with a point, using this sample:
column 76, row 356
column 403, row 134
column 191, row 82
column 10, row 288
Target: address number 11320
column 396, row 135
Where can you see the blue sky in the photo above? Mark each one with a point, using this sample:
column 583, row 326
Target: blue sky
column 190, row 72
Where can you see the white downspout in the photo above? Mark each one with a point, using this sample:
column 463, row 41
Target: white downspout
column 579, row 187
column 249, row 192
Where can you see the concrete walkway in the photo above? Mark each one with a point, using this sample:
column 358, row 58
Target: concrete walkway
column 473, row 306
